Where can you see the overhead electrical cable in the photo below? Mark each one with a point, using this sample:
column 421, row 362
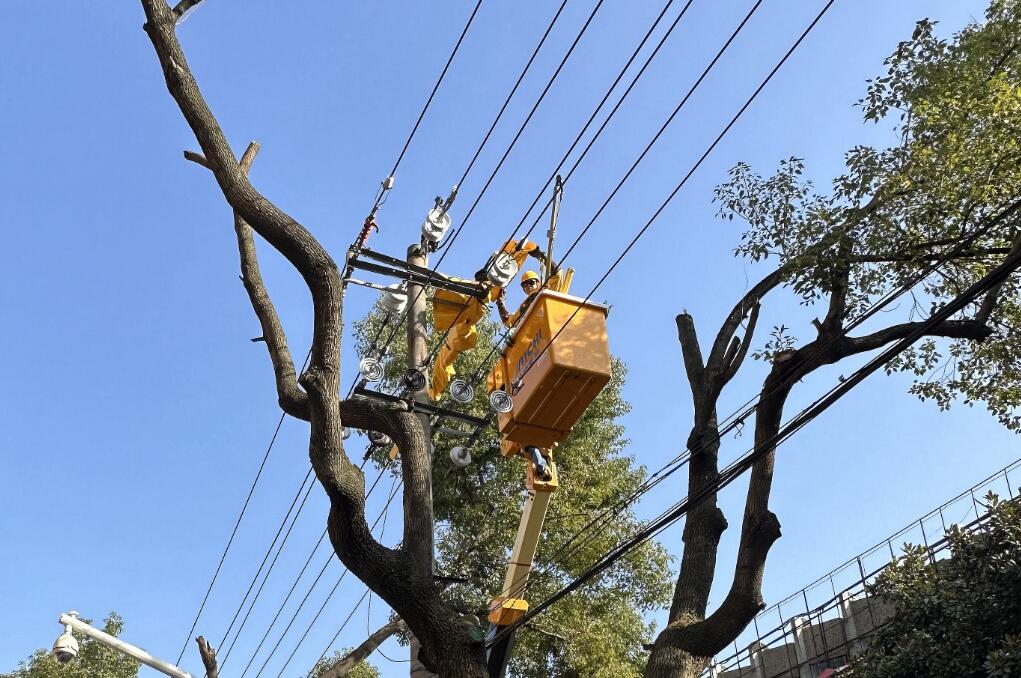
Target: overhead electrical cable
column 381, row 194
column 510, row 95
column 395, row 487
column 304, row 600
column 234, row 531
column 269, row 570
column 581, row 134
column 493, row 174
column 280, row 609
column 985, row 284
column 735, row 420
column 284, row 603
column 687, row 176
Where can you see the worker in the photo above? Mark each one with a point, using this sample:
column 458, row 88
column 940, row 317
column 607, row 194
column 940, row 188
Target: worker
column 530, row 283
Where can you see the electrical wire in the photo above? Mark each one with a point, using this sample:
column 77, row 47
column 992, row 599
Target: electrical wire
column 492, row 175
column 304, row 600
column 395, row 487
column 269, row 571
column 283, row 604
column 641, row 157
column 237, row 524
column 383, row 191
column 510, row 95
column 738, row 467
column 988, row 282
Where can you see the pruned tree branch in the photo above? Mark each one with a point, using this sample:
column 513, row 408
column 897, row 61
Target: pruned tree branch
column 346, row 663
column 292, row 399
column 989, row 301
column 402, row 576
column 183, row 6
column 208, row 655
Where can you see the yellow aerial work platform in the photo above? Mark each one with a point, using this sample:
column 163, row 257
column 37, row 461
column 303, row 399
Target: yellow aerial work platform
column 552, row 383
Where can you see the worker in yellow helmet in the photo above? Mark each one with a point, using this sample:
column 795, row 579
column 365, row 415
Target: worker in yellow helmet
column 531, row 284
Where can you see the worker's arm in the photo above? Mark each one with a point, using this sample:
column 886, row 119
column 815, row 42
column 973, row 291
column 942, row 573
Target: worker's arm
column 501, row 307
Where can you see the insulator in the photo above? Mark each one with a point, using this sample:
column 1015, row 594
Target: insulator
column 461, row 391
column 502, row 270
column 379, row 438
column 501, row 401
column 395, row 299
column 370, row 369
column 435, row 225
column 345, row 433
column 460, row 456
column 414, row 380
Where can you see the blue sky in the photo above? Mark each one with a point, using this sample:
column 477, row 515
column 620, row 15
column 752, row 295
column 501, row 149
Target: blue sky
column 137, row 410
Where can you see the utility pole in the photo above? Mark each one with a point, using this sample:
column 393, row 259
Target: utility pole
column 418, row 353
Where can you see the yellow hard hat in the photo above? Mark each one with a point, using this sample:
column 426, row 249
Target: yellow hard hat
column 529, row 275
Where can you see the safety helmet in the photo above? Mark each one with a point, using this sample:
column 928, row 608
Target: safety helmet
column 529, row 275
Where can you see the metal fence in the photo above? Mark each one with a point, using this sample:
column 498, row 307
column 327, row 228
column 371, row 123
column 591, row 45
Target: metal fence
column 824, row 624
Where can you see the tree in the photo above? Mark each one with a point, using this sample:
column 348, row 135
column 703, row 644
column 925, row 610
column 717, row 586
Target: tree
column 955, row 618
column 95, row 660
column 954, row 179
column 599, row 632
column 340, row 664
column 401, row 576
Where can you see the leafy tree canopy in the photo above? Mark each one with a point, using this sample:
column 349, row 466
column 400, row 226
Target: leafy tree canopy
column 95, row 660
column 477, row 510
column 362, row 669
column 959, row 617
column 956, row 107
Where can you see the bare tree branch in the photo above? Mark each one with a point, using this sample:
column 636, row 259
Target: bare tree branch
column 183, row 6
column 367, row 647
column 397, row 575
column 292, row 399
column 989, row 301
column 208, row 655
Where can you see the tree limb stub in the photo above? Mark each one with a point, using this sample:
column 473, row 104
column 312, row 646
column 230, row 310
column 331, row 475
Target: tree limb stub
column 346, row 663
column 208, row 655
column 446, row 645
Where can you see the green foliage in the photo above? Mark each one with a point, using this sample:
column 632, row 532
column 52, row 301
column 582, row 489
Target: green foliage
column 478, row 508
column 959, row 618
column 95, row 660
column 362, row 669
column 955, row 107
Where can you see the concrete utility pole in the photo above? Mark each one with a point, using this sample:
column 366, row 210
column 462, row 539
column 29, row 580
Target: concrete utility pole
column 418, row 354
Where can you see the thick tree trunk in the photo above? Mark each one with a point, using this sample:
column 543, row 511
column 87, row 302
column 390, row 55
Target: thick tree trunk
column 673, row 662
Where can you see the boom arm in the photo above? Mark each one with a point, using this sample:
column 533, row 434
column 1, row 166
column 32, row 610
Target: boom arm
column 510, row 605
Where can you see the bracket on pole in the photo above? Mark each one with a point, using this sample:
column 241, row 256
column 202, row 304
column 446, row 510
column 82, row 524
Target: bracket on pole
column 425, row 408
column 402, row 270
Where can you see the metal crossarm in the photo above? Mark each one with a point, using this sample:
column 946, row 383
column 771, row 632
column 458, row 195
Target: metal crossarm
column 393, row 267
column 425, row 408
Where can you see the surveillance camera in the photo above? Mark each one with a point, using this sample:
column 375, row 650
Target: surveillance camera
column 66, row 647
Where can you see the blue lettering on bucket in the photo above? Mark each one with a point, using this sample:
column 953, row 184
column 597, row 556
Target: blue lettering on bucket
column 525, row 361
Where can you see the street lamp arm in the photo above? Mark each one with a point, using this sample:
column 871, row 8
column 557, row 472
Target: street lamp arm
column 126, row 648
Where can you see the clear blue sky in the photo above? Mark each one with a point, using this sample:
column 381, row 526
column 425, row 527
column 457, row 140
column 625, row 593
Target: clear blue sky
column 136, row 410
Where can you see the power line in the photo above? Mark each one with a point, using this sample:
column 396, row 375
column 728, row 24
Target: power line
column 283, row 604
column 304, row 600
column 510, row 95
column 386, row 508
column 493, row 174
column 988, row 282
column 382, row 192
column 234, row 531
column 683, row 457
column 581, row 134
column 265, row 559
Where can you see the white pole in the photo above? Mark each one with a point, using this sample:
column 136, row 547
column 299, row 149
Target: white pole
column 119, row 645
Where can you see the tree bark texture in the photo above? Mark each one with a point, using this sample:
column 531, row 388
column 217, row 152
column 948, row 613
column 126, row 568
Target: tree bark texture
column 402, row 576
column 691, row 638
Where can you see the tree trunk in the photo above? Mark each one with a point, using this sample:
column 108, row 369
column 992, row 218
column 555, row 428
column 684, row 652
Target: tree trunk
column 672, row 662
